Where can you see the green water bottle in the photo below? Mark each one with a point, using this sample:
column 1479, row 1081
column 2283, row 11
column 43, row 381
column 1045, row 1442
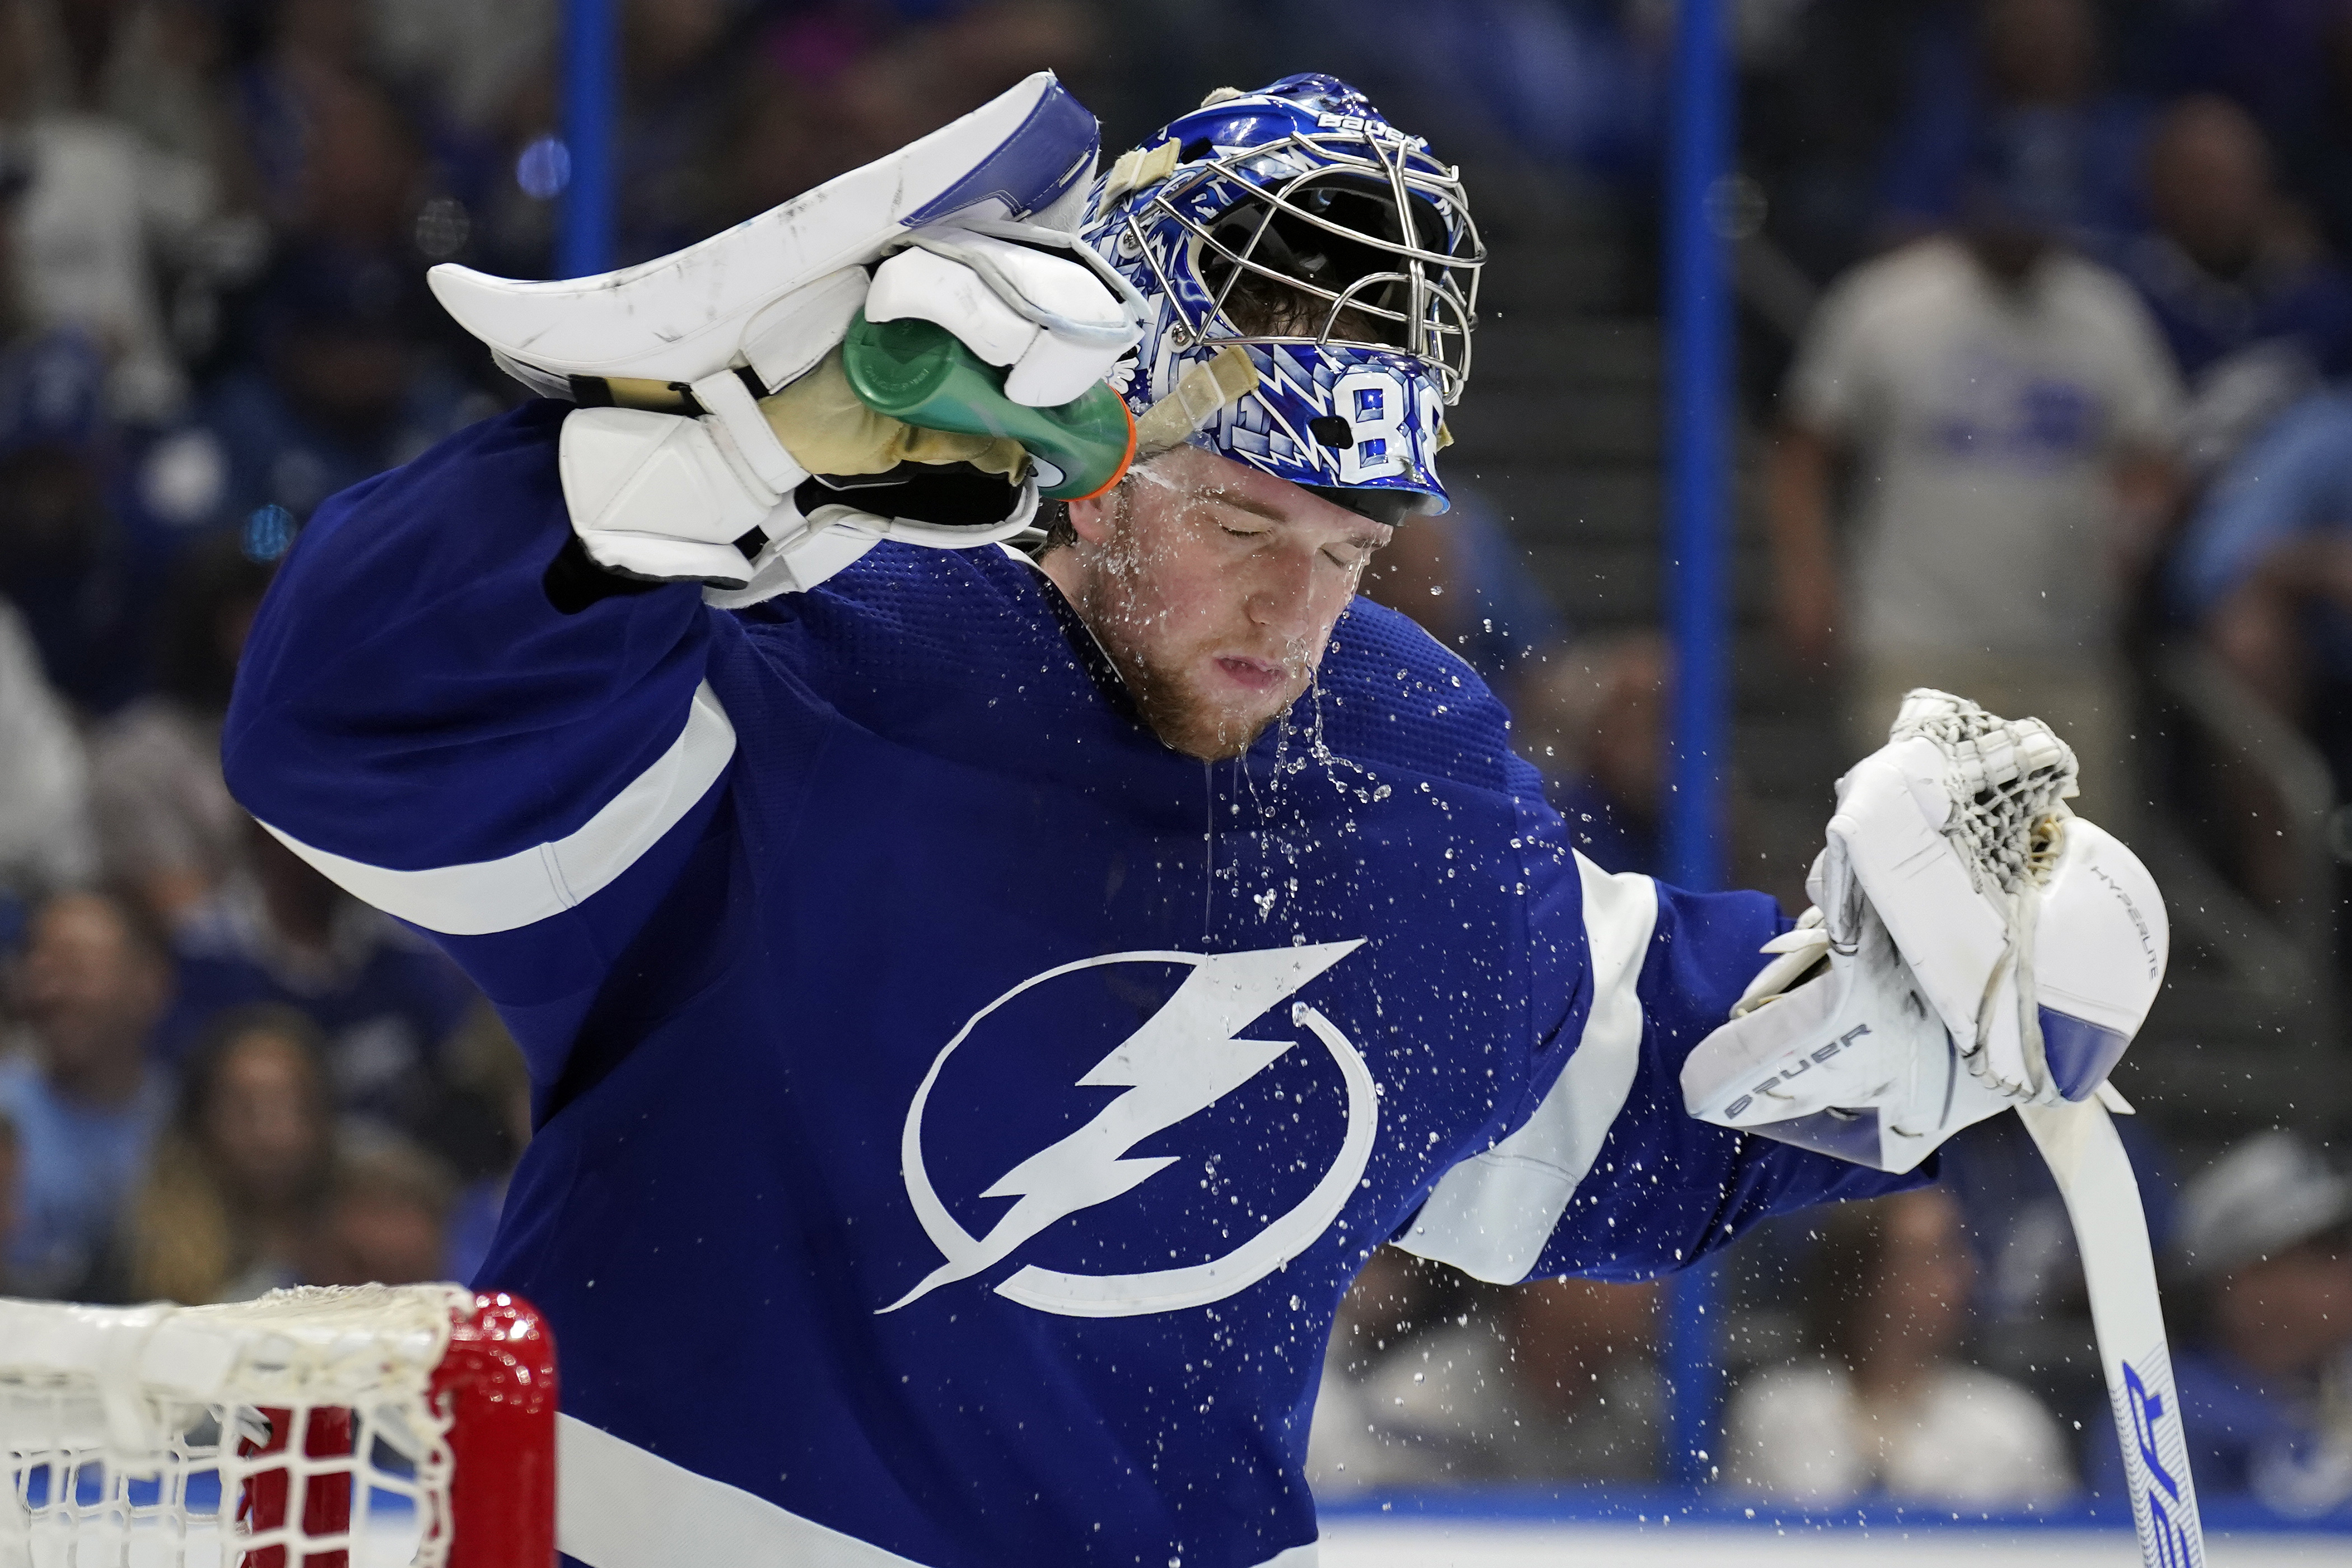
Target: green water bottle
column 920, row 372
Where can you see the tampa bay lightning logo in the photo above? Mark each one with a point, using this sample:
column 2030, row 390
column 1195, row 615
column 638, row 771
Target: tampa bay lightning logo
column 1182, row 1060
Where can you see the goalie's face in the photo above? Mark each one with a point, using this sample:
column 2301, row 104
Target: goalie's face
column 1214, row 588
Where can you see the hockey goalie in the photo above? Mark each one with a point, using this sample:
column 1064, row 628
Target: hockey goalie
column 1000, row 931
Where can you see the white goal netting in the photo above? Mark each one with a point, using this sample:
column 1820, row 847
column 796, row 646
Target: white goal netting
column 295, row 1431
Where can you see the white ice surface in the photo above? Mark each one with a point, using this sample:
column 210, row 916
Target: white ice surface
column 1469, row 1543
column 1479, row 1543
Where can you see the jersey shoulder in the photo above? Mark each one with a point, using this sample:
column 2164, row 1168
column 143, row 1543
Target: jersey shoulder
column 1391, row 693
column 905, row 615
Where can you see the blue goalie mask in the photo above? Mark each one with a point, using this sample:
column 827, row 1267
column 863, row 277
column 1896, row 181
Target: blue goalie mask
column 1298, row 222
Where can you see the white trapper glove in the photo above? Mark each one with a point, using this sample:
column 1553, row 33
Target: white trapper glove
column 744, row 297
column 724, row 499
column 690, row 462
column 712, row 497
column 1964, row 918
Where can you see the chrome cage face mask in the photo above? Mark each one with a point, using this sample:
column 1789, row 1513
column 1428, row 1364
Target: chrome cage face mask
column 1248, row 212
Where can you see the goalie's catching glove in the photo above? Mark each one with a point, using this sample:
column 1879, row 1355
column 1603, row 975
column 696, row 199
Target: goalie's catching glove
column 1974, row 944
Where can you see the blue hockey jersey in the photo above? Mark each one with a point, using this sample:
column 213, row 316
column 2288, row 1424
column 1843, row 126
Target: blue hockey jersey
column 961, row 1115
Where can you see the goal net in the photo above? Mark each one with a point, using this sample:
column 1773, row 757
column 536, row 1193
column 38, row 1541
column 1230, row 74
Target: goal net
column 312, row 1428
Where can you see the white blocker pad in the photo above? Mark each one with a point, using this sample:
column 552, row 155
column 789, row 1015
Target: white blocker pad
column 1853, row 1063
column 774, row 293
column 655, row 496
column 658, row 497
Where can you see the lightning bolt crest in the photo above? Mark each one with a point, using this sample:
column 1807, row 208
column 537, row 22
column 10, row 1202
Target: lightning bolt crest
column 1182, row 1060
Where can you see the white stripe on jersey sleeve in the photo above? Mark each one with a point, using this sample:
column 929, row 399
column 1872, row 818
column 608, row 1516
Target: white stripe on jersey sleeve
column 529, row 885
column 1492, row 1213
column 620, row 1506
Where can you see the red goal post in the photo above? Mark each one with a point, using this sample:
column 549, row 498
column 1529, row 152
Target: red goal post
column 311, row 1428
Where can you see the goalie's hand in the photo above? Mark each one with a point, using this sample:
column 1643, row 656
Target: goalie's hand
column 716, row 486
column 682, row 466
column 755, row 498
column 1036, row 302
column 1834, row 1048
column 1964, row 918
column 2040, row 939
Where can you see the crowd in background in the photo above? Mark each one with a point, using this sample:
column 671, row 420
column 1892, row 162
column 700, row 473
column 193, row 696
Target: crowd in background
column 2069, row 386
column 218, row 1073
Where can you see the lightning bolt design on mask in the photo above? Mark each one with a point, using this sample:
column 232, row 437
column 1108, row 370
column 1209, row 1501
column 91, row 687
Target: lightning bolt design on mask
column 1185, row 1058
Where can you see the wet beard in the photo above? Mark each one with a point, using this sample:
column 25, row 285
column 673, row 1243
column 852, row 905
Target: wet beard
column 1183, row 720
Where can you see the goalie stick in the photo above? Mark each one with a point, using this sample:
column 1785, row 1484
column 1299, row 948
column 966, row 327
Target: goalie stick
column 1962, row 912
column 2006, row 783
column 2094, row 1177
column 2008, row 820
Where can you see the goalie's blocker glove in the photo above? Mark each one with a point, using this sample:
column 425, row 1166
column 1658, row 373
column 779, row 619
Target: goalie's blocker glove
column 718, row 439
column 1973, row 945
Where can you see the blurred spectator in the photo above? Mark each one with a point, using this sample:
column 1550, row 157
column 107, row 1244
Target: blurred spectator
column 1590, row 715
column 2264, row 570
column 2269, row 55
column 1890, row 1407
column 1577, row 85
column 11, row 1183
column 235, row 1191
column 2030, row 1280
column 472, row 58
column 336, row 376
column 2025, row 90
column 45, row 829
column 84, row 1095
column 1817, row 107
column 2005, row 406
column 2316, row 145
column 2265, row 1241
column 1593, row 722
column 385, row 1218
column 1549, row 1381
column 105, row 209
column 487, row 1065
column 166, row 826
column 386, row 1000
column 63, row 557
column 2254, row 314
column 681, row 58
column 337, row 160
column 818, row 91
column 1394, row 1299
column 170, row 75
column 169, row 78
column 345, row 387
column 1463, row 578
